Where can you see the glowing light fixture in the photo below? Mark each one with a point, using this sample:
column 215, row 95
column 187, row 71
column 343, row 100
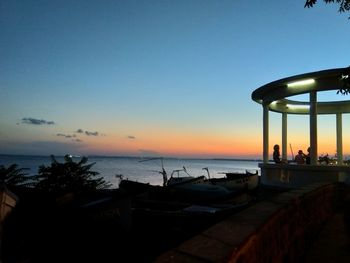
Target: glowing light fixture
column 298, row 106
column 300, row 83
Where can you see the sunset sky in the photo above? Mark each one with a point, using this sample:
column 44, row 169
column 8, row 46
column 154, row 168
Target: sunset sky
column 169, row 78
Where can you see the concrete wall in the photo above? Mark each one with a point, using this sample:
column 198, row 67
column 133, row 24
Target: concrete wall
column 277, row 230
column 7, row 203
column 294, row 175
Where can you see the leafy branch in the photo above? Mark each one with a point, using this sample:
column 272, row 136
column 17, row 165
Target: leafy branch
column 344, row 5
column 345, row 80
column 13, row 176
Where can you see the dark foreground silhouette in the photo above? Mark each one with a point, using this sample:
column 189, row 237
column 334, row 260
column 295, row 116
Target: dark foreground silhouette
column 100, row 227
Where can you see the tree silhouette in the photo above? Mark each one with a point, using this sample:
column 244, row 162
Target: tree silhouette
column 345, row 80
column 344, row 5
column 69, row 177
column 12, row 176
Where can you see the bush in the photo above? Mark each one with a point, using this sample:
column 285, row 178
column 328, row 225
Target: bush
column 13, row 176
column 69, row 177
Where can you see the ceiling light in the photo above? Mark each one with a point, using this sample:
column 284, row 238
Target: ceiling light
column 298, row 106
column 300, row 83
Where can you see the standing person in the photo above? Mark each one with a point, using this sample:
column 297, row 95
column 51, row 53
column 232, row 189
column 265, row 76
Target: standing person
column 276, row 154
column 300, row 157
column 307, row 157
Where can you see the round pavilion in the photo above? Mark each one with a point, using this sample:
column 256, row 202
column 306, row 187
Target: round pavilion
column 274, row 96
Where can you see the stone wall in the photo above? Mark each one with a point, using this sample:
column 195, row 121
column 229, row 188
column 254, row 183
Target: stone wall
column 276, row 230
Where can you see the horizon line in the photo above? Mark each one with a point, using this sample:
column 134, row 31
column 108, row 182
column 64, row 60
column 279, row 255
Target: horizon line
column 141, row 157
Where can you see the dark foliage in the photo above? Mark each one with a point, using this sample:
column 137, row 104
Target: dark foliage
column 13, row 176
column 344, row 5
column 69, row 177
column 345, row 80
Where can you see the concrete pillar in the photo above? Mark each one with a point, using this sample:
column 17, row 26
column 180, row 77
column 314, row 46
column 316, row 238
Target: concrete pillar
column 266, row 133
column 313, row 127
column 339, row 138
column 284, row 136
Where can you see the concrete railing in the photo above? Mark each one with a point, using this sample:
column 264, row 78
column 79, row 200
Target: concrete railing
column 277, row 230
column 8, row 201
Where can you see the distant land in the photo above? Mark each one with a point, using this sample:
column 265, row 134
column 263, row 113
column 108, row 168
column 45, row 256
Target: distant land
column 134, row 157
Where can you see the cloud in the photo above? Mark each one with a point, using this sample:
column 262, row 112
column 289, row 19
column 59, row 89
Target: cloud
column 65, row 135
column 131, row 137
column 37, row 121
column 68, row 136
column 88, row 133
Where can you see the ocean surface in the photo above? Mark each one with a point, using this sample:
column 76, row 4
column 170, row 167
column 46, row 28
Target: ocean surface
column 141, row 170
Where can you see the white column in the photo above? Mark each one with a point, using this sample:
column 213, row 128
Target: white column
column 339, row 138
column 266, row 133
column 284, row 136
column 313, row 127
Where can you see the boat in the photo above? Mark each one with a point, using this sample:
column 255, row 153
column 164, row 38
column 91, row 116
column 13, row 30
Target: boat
column 189, row 190
column 171, row 221
column 181, row 180
column 200, row 191
column 187, row 215
column 235, row 180
column 181, row 186
column 175, row 178
column 181, row 205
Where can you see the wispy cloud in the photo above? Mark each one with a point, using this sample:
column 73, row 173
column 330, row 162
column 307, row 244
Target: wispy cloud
column 89, row 133
column 131, row 137
column 65, row 135
column 34, row 121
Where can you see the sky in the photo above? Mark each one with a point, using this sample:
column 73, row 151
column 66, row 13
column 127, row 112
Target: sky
column 159, row 78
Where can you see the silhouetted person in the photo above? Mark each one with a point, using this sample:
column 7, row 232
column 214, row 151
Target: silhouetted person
column 276, row 154
column 307, row 157
column 300, row 157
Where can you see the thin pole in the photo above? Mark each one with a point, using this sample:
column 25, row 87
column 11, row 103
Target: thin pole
column 291, row 149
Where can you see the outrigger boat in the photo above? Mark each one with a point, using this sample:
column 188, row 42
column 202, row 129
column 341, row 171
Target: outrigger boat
column 178, row 180
column 184, row 188
column 236, row 181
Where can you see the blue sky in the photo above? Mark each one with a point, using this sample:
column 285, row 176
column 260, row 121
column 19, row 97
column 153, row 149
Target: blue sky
column 157, row 77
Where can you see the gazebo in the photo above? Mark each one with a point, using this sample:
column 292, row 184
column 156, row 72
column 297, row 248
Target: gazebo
column 275, row 96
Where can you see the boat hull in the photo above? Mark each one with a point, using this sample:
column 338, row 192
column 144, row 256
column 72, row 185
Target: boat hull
column 237, row 181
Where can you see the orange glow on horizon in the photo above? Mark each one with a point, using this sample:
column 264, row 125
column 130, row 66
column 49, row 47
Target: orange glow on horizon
column 176, row 145
column 165, row 143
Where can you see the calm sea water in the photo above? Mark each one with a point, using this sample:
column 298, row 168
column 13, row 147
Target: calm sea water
column 135, row 168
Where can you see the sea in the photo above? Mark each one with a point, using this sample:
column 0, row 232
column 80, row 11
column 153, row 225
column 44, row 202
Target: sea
column 145, row 170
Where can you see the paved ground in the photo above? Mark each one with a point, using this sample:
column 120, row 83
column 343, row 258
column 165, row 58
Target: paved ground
column 333, row 243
